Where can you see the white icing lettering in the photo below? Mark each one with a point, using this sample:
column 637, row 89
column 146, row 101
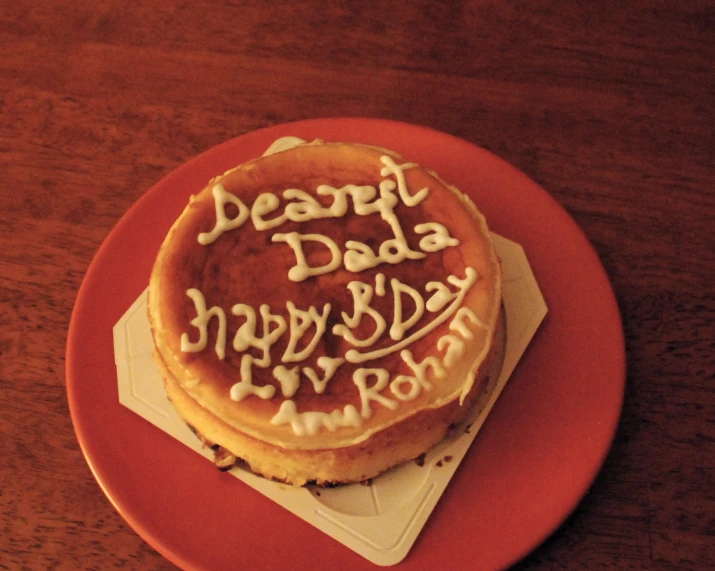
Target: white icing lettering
column 413, row 388
column 397, row 331
column 300, row 322
column 339, row 207
column 438, row 240
column 420, row 369
column 362, row 195
column 419, row 381
column 306, row 209
column 288, row 378
column 245, row 386
column 203, row 316
column 380, row 284
column 463, row 285
column 372, row 393
column 398, row 170
column 223, row 222
column 362, row 296
column 396, row 250
column 329, row 366
column 454, row 349
column 265, row 204
column 246, row 335
column 359, row 256
column 459, row 326
column 309, row 423
column 301, row 270
column 440, row 298
column 299, row 206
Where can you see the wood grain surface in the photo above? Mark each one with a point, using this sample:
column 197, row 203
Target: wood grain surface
column 608, row 106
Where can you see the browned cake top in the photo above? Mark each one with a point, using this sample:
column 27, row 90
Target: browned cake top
column 313, row 296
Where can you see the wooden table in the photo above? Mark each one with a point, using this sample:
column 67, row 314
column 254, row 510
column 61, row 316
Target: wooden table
column 609, row 108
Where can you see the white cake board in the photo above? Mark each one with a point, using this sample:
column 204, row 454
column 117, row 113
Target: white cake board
column 380, row 521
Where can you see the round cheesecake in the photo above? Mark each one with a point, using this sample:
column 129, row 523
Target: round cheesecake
column 325, row 312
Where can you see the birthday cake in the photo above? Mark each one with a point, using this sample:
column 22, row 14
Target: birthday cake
column 325, row 312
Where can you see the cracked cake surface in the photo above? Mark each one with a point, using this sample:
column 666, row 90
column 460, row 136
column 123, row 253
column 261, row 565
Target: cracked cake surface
column 326, row 311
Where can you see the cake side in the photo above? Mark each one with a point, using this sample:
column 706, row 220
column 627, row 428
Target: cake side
column 341, row 297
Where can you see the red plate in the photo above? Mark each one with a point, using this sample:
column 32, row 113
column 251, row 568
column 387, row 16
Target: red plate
column 533, row 461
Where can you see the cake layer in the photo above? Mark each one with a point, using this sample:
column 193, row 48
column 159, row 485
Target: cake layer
column 313, row 299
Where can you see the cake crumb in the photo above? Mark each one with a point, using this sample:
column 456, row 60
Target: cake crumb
column 439, row 464
column 448, row 458
column 223, row 459
column 420, row 460
column 367, row 482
